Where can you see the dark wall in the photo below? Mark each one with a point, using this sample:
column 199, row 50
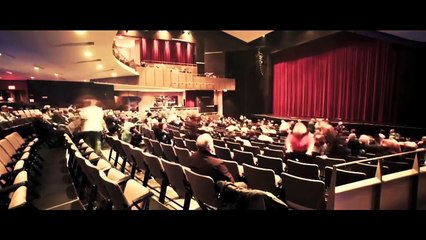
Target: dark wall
column 63, row 94
column 248, row 95
column 214, row 46
column 215, row 63
column 280, row 40
column 411, row 89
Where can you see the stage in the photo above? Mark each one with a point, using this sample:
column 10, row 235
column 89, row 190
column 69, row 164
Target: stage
column 361, row 127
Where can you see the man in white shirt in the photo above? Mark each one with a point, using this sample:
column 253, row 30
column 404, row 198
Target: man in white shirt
column 93, row 124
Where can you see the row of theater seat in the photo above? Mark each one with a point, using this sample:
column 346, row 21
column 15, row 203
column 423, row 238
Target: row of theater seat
column 19, row 160
column 175, row 174
column 102, row 185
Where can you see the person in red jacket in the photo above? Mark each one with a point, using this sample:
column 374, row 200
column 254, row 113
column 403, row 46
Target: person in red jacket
column 300, row 140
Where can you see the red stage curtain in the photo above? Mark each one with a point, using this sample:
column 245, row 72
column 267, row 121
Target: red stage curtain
column 167, row 51
column 355, row 83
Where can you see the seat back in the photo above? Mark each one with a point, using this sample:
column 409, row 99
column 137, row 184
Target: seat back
column 169, row 152
column 396, row 166
column 261, row 145
column 116, row 195
column 274, row 153
column 176, row 176
column 260, row 178
column 18, row 137
column 155, row 167
column 219, row 142
column 183, row 156
column 304, row 170
column 233, row 169
column 253, row 149
column 191, row 145
column 204, row 188
column 223, row 152
column 233, row 146
column 276, row 147
column 148, row 145
column 302, row 157
column 137, row 155
column 327, row 162
column 4, row 157
column 108, row 139
column 7, row 147
column 343, row 176
column 96, row 179
column 302, row 193
column 178, row 142
column 15, row 144
column 175, row 133
column 242, row 157
column 368, row 169
column 158, row 151
column 127, row 150
column 273, row 163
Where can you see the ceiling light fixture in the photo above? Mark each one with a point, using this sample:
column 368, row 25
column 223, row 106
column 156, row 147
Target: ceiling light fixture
column 32, row 77
column 99, row 66
column 79, row 32
column 36, row 68
column 88, row 53
column 56, row 74
column 114, row 74
column 9, row 72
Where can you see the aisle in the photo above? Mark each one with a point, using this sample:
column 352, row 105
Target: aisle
column 56, row 188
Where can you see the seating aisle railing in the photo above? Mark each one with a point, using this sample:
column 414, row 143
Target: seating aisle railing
column 401, row 190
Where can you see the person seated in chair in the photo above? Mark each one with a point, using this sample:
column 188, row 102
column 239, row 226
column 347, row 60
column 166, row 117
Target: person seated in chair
column 205, row 162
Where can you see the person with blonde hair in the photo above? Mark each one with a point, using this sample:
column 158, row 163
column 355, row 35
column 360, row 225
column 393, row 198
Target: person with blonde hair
column 300, row 140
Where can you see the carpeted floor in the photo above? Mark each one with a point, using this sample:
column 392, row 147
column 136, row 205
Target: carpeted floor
column 56, row 188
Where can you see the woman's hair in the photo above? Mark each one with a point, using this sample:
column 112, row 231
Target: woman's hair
column 300, row 129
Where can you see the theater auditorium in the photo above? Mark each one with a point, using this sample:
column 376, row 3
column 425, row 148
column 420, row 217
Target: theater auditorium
column 212, row 120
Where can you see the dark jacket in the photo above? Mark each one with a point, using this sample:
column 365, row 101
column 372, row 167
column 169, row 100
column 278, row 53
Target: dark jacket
column 205, row 163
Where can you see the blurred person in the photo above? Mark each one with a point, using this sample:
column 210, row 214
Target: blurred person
column 320, row 146
column 311, row 125
column 340, row 128
column 93, row 124
column 127, row 128
column 336, row 144
column 6, row 113
column 300, row 140
column 160, row 133
column 393, row 134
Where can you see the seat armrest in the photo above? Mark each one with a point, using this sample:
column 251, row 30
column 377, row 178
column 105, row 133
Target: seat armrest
column 140, row 199
column 123, row 180
column 10, row 174
column 11, row 188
